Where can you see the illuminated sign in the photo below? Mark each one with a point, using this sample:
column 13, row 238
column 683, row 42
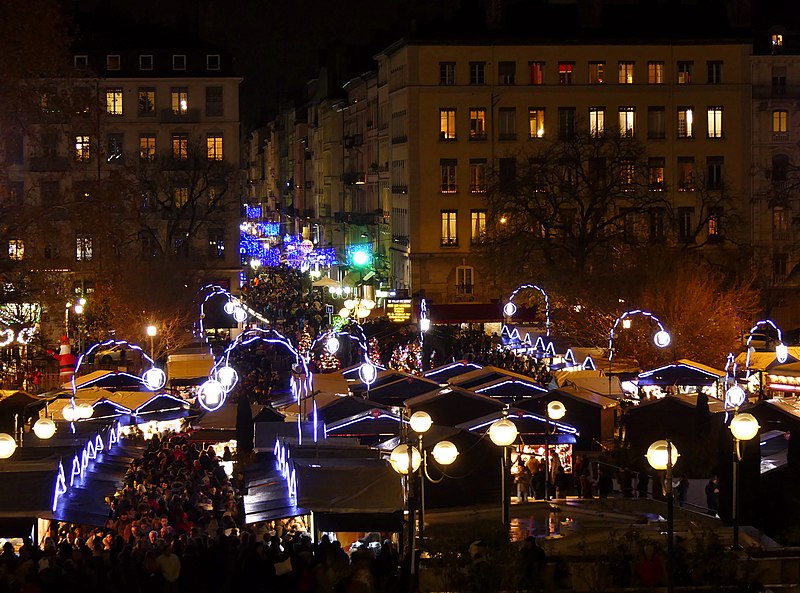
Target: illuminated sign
column 398, row 310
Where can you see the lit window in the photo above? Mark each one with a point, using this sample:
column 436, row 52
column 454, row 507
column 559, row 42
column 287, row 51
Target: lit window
column 214, row 146
column 715, row 215
column 627, row 120
column 477, row 124
column 465, row 283
column 477, row 176
column 114, row 101
column 777, row 40
column 478, row 226
column 180, row 100
column 180, row 196
column 780, row 223
column 655, row 173
column 685, row 71
column 627, row 175
column 655, row 73
column 112, row 62
column 447, row 73
column 83, row 248
column 597, row 121
column 147, row 147
column 447, row 169
column 216, row 243
column 82, row 149
column 449, row 228
column 597, row 71
column 714, row 122
column 447, row 124
column 780, row 125
column 537, row 72
column 180, row 146
column 16, row 249
column 626, row 73
column 477, row 72
column 536, row 120
column 565, row 70
column 147, row 102
column 685, row 122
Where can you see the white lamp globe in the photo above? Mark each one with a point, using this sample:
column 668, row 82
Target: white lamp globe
column 399, row 459
column 239, row 314
column 744, row 426
column 367, row 373
column 782, row 352
column 344, row 312
column 350, row 304
column 152, row 330
column 657, row 455
column 154, row 379
column 445, row 452
column 7, row 445
column 211, row 393
column 662, row 339
column 226, row 376
column 420, row 422
column 735, row 396
column 332, row 345
column 362, row 312
column 44, row 428
column 556, row 410
column 368, row 303
column 229, row 307
column 360, row 258
column 424, row 324
column 509, row 309
column 503, row 432
column 70, row 413
column 85, row 411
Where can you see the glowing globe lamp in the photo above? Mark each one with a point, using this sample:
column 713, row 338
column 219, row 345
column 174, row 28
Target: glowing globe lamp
column 367, row 373
column 782, row 352
column 657, row 455
column 445, row 452
column 239, row 314
column 735, row 396
column 509, row 309
column 503, row 432
column 332, row 345
column 210, row 396
column 44, row 428
column 70, row 413
column 154, row 379
column 399, row 459
column 662, row 339
column 7, row 445
column 556, row 410
column 360, row 258
column 84, row 411
column 424, row 324
column 229, row 307
column 744, row 427
column 420, row 422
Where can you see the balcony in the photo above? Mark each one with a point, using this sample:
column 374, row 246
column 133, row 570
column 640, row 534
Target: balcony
column 190, row 116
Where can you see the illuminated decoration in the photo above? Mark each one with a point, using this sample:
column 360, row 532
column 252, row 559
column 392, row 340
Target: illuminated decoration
column 525, row 384
column 110, row 344
column 420, row 422
column 240, row 315
column 211, row 395
column 407, row 358
column 503, row 432
column 661, row 339
column 25, row 335
column 44, row 428
column 509, row 309
column 253, row 212
column 374, row 350
column 7, row 445
column 227, row 377
column 398, row 310
column 556, row 410
column 445, row 452
column 6, row 337
column 744, row 427
column 332, row 345
column 403, row 456
column 735, row 397
column 180, row 404
column 286, row 468
column 230, row 307
column 306, row 246
column 60, row 485
column 84, row 411
column 305, row 344
column 367, row 373
column 661, row 454
column 154, row 379
column 359, row 255
column 781, row 350
column 448, row 367
column 70, row 413
column 562, row 427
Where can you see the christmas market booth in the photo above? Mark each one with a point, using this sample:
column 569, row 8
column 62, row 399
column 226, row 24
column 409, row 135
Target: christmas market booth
column 681, row 378
column 506, row 386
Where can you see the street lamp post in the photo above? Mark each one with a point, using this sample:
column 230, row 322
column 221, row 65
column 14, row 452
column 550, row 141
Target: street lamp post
column 555, row 411
column 744, row 428
column 662, row 455
column 503, row 433
column 152, row 330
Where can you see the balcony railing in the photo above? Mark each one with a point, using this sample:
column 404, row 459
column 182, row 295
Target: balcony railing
column 190, row 116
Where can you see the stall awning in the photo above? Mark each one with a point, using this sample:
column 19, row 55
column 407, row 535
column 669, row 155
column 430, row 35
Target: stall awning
column 477, row 313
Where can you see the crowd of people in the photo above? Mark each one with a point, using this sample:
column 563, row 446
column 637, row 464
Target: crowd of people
column 486, row 350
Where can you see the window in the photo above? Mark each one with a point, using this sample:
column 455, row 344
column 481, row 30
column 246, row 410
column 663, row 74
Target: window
column 536, row 120
column 655, row 173
column 685, row 224
column 145, row 62
column 597, row 71
column 112, row 62
column 565, row 70
column 14, row 193
column 180, row 146
column 537, row 72
column 49, row 193
column 776, row 40
column 780, row 125
column 14, row 148
column 780, row 264
column 715, row 230
column 81, row 62
column 597, row 171
column 447, row 73
column 627, row 175
column 216, row 243
column 714, row 172
column 656, row 123
column 214, row 104
column 536, row 167
column 597, row 121
column 477, row 72
column 685, row 122
column 626, row 73
column 447, row 168
column 779, row 80
column 685, row 173
column 627, row 119
column 477, row 124
column 212, row 62
column 214, row 147
column 449, row 228
column 780, row 223
column 464, row 280
column 507, row 120
column 83, row 190
column 478, row 226
column 114, row 147
column 82, row 149
column 714, row 122
column 629, row 226
column 180, row 196
column 657, row 226
column 655, row 73
column 566, row 123
column 179, row 62
column 16, row 249
column 780, row 168
column 714, row 72
column 507, row 72
column 685, row 70
column 147, row 147
column 180, row 100
column 507, row 172
column 477, row 176
column 447, row 124
column 147, row 102
column 114, row 101
column 83, row 248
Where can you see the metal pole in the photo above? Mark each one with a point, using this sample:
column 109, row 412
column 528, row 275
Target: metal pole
column 506, row 493
column 670, row 519
column 421, row 530
column 546, row 456
column 735, row 509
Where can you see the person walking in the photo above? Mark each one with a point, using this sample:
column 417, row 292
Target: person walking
column 642, row 483
column 712, row 495
column 683, row 490
column 523, row 480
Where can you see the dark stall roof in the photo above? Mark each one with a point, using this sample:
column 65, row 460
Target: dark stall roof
column 681, row 373
column 111, row 380
column 510, row 389
column 529, row 424
column 477, row 313
column 27, row 493
column 535, row 404
column 376, row 422
column 452, row 405
column 453, row 369
column 490, row 375
column 269, row 414
column 688, row 401
column 344, row 408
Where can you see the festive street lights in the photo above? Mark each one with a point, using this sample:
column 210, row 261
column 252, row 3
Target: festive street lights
column 661, row 338
column 781, row 349
column 503, row 433
column 152, row 330
column 555, row 411
column 662, row 455
column 744, row 428
column 509, row 309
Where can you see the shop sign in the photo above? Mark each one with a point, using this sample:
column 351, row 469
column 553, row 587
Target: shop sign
column 398, row 310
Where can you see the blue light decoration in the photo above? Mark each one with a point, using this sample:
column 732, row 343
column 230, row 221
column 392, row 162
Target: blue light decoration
column 285, row 466
column 359, row 255
column 252, row 247
column 253, row 212
column 510, row 308
column 661, row 338
column 269, row 229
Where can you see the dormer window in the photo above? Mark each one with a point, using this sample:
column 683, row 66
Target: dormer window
column 179, row 62
column 112, row 62
column 777, row 40
column 145, row 62
column 212, row 62
column 81, row 62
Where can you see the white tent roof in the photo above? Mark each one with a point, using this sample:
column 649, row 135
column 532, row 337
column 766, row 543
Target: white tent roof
column 595, row 381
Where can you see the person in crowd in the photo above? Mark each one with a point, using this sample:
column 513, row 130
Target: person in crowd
column 523, row 481
column 532, row 562
column 642, row 484
column 712, row 495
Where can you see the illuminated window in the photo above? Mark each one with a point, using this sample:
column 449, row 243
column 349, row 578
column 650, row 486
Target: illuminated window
column 507, row 123
column 715, row 166
column 447, row 73
column 597, row 121
column 685, row 122
column 216, row 243
column 214, row 147
column 780, row 125
column 465, row 283
column 536, row 121
column 180, row 100
column 565, row 70
column 447, row 168
column 655, row 173
column 714, row 122
column 180, row 146
column 147, row 147
column 685, row 71
column 507, row 73
column 627, row 121
column 16, row 249
column 477, row 176
column 566, row 123
column 478, row 226
column 180, row 196
column 82, row 149
column 447, row 124
column 777, row 40
column 537, row 72
column 627, row 175
column 83, row 248
column 477, row 124
column 656, row 123
column 147, row 102
column 597, row 72
column 655, row 73
column 114, row 101
column 449, row 228
column 477, row 72
column 714, row 72
column 626, row 73
column 715, row 230
column 685, row 173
